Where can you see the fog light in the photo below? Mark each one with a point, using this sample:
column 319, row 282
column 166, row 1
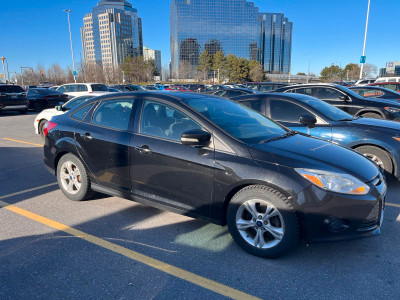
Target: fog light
column 336, row 224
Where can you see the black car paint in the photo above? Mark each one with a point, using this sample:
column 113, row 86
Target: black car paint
column 355, row 105
column 199, row 182
column 45, row 98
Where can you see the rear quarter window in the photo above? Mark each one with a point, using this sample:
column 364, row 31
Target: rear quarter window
column 99, row 88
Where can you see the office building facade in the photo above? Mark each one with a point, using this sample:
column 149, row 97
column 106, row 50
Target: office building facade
column 233, row 26
column 150, row 54
column 111, row 32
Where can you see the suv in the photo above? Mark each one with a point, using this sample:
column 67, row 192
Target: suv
column 79, row 89
column 395, row 86
column 348, row 100
column 361, row 82
column 13, row 97
column 265, row 86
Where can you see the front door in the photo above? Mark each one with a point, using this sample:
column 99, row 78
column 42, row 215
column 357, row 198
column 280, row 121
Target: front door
column 164, row 170
column 288, row 114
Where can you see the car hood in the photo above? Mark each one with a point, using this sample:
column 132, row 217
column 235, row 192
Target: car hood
column 386, row 124
column 301, row 151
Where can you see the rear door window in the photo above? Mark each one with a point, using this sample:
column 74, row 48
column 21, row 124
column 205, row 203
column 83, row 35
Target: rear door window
column 324, row 93
column 82, row 88
column 266, row 88
column 81, row 113
column 390, row 86
column 113, row 114
column 304, row 91
column 254, row 104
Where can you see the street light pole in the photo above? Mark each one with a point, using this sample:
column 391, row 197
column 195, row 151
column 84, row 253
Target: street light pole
column 365, row 41
column 70, row 39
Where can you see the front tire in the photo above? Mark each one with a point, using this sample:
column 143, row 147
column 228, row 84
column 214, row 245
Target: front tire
column 378, row 156
column 262, row 221
column 372, row 116
column 72, row 178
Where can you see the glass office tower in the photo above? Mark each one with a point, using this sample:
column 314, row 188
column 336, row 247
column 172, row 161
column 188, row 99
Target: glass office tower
column 233, row 26
column 111, row 32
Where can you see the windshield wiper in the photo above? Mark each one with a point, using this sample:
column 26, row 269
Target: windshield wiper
column 283, row 136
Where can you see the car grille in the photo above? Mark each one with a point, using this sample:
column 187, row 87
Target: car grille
column 373, row 218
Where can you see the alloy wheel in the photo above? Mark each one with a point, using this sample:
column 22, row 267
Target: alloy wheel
column 260, row 224
column 70, row 177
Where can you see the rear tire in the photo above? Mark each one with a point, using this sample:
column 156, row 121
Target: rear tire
column 372, row 115
column 40, row 128
column 379, row 156
column 72, row 178
column 262, row 221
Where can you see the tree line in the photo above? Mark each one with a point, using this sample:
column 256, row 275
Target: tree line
column 350, row 72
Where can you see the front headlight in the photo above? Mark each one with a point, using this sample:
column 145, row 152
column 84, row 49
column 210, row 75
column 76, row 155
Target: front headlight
column 335, row 182
column 392, row 109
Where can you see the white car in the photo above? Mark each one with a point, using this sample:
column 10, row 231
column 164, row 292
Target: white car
column 42, row 118
column 80, row 89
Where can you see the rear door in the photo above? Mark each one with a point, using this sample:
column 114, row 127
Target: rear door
column 332, row 96
column 104, row 142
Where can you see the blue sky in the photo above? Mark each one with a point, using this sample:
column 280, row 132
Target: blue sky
column 327, row 32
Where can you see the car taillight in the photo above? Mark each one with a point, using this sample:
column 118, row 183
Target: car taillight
column 48, row 126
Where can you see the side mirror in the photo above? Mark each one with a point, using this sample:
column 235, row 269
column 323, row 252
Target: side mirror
column 59, row 108
column 308, row 120
column 344, row 97
column 196, row 137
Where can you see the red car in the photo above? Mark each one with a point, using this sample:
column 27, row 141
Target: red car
column 395, row 86
column 178, row 88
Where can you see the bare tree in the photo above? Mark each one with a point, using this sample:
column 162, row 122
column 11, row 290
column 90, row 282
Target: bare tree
column 369, row 70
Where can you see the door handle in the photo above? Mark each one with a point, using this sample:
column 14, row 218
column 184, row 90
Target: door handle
column 143, row 149
column 87, row 136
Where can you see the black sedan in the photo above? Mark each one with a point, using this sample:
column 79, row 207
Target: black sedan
column 41, row 98
column 378, row 140
column 348, row 100
column 376, row 92
column 211, row 158
column 232, row 92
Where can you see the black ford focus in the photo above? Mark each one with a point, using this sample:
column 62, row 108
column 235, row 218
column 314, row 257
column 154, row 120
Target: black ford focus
column 211, row 158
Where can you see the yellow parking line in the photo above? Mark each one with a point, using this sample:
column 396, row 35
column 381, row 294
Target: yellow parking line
column 157, row 264
column 392, row 204
column 23, row 142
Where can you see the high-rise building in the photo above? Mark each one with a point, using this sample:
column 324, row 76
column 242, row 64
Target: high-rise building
column 233, row 26
column 150, row 54
column 111, row 32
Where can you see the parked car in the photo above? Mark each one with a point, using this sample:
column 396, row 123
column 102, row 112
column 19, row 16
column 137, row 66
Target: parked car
column 13, row 97
column 231, row 92
column 216, row 87
column 136, row 88
column 178, row 88
column 195, row 87
column 208, row 157
column 362, row 82
column 378, row 140
column 395, row 86
column 367, row 91
column 348, row 100
column 55, row 87
column 151, row 88
column 344, row 83
column 112, row 90
column 265, row 86
column 387, row 79
column 41, row 98
column 46, row 115
column 79, row 89
column 120, row 87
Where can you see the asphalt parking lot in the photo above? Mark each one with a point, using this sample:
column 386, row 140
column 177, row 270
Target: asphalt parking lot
column 109, row 247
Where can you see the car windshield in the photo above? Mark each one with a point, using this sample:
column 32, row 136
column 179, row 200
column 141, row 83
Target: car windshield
column 238, row 120
column 99, row 88
column 76, row 101
column 332, row 112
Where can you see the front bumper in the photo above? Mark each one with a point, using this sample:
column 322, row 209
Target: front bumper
column 328, row 216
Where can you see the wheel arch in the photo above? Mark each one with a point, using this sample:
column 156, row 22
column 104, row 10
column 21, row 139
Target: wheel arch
column 393, row 160
column 232, row 192
column 370, row 110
